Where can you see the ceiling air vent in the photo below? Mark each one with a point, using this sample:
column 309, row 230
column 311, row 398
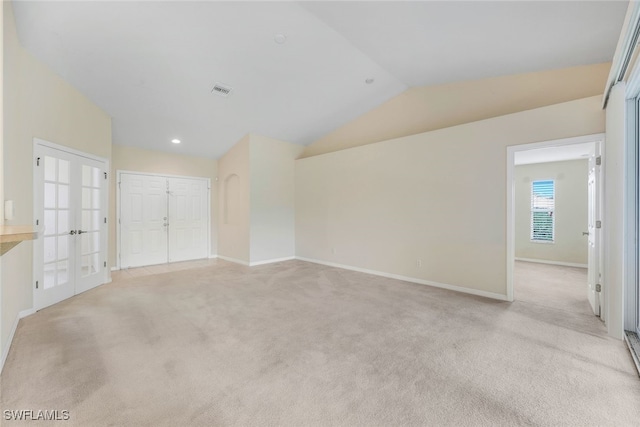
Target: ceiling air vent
column 221, row 89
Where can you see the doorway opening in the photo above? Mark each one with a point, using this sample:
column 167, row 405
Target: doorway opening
column 554, row 235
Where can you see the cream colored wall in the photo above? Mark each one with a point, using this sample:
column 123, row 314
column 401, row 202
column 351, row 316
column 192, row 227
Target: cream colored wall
column 152, row 161
column 569, row 245
column 234, row 234
column 422, row 109
column 37, row 103
column 272, row 198
column 383, row 206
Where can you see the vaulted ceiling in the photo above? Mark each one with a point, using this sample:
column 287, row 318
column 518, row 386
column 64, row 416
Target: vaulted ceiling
column 152, row 65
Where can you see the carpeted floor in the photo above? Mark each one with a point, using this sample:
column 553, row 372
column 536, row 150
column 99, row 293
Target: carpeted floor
column 299, row 344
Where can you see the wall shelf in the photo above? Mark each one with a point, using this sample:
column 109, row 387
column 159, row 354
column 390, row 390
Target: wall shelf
column 11, row 235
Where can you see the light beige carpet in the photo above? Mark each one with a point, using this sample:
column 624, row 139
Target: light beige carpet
column 299, row 344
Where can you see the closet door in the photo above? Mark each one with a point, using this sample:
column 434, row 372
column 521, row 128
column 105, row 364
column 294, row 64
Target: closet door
column 188, row 219
column 143, row 220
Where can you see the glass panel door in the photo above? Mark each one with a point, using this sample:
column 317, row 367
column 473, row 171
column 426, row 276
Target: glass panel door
column 91, row 227
column 54, row 251
column 70, row 198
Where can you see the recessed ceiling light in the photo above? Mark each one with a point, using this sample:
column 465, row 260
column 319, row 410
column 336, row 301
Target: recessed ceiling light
column 175, row 141
column 369, row 81
column 280, row 38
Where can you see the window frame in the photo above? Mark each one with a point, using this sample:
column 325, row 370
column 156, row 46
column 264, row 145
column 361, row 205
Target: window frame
column 533, row 210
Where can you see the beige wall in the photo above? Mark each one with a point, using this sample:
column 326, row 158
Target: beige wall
column 159, row 162
column 37, row 104
column 422, row 109
column 383, row 206
column 234, row 196
column 272, row 198
column 569, row 245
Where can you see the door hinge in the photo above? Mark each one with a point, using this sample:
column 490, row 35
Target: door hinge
column 598, row 224
column 38, row 161
column 105, row 220
column 119, row 186
column 105, row 263
column 598, row 160
column 37, row 222
column 105, row 175
column 598, row 287
column 36, row 284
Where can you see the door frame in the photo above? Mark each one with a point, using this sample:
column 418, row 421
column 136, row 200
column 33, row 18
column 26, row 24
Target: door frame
column 38, row 142
column 510, row 235
column 119, row 173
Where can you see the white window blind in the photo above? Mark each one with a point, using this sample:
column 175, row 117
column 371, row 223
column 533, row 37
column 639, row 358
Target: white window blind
column 543, row 204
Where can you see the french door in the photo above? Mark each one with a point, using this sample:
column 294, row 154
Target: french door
column 70, row 208
column 162, row 219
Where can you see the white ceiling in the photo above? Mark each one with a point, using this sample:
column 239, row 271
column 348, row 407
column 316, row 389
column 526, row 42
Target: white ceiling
column 555, row 154
column 152, row 65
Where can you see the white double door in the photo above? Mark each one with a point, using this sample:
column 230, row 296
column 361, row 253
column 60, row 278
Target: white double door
column 70, row 209
column 162, row 219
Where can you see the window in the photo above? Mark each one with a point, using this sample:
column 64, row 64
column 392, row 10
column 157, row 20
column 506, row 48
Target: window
column 542, row 210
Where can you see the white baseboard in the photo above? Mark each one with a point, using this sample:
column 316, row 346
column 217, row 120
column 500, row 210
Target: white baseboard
column 213, row 256
column 25, row 313
column 7, row 347
column 253, row 264
column 271, row 261
column 115, row 268
column 471, row 291
column 544, row 261
column 237, row 261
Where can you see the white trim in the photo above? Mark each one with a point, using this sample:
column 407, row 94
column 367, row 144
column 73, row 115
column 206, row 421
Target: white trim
column 115, row 268
column 237, row 261
column 213, row 256
column 461, row 289
column 510, row 189
column 630, row 213
column 27, row 312
column 271, row 261
column 545, row 261
column 624, row 50
column 7, row 347
column 48, row 144
column 161, row 175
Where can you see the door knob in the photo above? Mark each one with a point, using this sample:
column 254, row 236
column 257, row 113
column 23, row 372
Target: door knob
column 585, row 233
column 82, row 231
column 72, row 232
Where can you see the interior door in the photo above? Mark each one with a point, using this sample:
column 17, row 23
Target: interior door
column 143, row 220
column 594, row 285
column 188, row 219
column 53, row 253
column 91, row 236
column 71, row 256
